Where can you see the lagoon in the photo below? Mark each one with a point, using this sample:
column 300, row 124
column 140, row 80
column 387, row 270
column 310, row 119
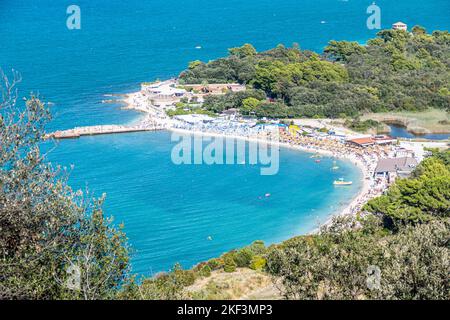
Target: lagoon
column 402, row 132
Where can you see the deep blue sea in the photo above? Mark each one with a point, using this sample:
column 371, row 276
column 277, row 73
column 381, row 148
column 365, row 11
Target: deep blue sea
column 170, row 211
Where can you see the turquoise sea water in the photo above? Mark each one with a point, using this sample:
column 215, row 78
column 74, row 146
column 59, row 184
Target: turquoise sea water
column 170, row 211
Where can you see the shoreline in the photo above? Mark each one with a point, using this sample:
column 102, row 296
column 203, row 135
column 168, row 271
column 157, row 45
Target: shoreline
column 137, row 101
column 345, row 209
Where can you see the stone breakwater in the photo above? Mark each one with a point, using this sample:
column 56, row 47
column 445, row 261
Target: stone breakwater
column 99, row 130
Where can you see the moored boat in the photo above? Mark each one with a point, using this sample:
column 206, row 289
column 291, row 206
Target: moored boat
column 342, row 182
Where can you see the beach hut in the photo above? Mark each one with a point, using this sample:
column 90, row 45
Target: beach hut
column 362, row 142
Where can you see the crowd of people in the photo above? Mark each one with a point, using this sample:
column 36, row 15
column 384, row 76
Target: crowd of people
column 316, row 142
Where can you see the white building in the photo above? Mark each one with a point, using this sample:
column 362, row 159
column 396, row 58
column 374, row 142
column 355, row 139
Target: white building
column 400, row 26
column 164, row 94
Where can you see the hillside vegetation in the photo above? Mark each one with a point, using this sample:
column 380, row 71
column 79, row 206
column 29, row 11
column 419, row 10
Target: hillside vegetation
column 55, row 243
column 396, row 71
column 398, row 248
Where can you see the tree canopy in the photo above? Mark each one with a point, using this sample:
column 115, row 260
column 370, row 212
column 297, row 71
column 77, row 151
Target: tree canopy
column 421, row 198
column 368, row 258
column 395, row 71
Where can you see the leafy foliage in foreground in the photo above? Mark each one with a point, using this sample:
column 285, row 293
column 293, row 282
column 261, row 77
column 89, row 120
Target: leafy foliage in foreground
column 46, row 229
column 394, row 72
column 411, row 251
column 337, row 264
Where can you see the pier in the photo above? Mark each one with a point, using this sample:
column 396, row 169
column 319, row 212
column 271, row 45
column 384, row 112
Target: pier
column 99, row 130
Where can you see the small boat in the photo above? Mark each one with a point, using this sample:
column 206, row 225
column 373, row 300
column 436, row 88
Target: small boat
column 267, row 195
column 342, row 182
column 317, row 161
column 198, row 47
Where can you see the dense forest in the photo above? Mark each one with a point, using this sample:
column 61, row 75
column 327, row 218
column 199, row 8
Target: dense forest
column 396, row 71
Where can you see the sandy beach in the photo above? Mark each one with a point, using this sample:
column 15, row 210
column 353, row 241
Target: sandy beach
column 370, row 189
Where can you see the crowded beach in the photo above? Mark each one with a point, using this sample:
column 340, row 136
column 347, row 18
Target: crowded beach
column 381, row 158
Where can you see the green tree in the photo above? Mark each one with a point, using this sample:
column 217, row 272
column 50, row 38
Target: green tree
column 247, row 50
column 163, row 286
column 249, row 105
column 195, row 64
column 338, row 263
column 323, row 70
column 422, row 198
column 393, row 72
column 205, row 271
column 47, row 229
column 342, row 50
column 229, row 264
column 258, row 263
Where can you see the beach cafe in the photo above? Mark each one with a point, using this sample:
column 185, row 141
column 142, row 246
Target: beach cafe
column 362, row 142
column 370, row 141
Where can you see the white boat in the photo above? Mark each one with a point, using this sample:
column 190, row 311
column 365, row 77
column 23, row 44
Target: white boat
column 342, row 182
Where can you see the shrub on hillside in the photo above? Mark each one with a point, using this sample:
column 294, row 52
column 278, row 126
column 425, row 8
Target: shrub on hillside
column 258, row 263
column 216, row 263
column 205, row 271
column 229, row 264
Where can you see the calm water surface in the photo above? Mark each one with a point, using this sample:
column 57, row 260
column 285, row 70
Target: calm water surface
column 401, row 132
column 170, row 211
